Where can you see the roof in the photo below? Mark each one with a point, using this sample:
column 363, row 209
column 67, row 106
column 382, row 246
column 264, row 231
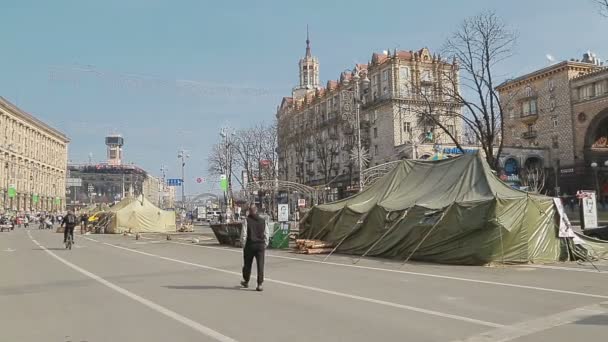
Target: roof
column 33, row 120
column 540, row 72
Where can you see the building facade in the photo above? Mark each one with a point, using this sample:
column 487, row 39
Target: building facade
column 540, row 129
column 317, row 126
column 33, row 159
column 589, row 94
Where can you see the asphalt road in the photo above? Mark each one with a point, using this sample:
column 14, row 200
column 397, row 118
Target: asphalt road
column 114, row 288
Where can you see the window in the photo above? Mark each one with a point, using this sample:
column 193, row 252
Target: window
column 585, row 92
column 551, row 84
column 407, row 127
column 385, row 75
column 552, row 105
column 554, row 141
column 555, row 123
column 376, row 85
column 374, row 115
column 528, row 91
column 528, row 107
column 451, row 130
column 426, row 76
column 600, row 88
column 511, row 112
column 375, row 149
column 404, row 81
column 375, row 132
column 426, row 91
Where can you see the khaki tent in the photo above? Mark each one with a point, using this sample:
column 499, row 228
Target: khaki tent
column 449, row 211
column 139, row 215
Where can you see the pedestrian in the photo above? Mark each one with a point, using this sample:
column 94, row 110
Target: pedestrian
column 84, row 219
column 254, row 238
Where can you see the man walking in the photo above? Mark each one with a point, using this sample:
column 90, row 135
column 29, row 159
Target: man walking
column 84, row 220
column 254, row 238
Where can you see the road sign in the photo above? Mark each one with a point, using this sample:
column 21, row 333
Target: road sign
column 174, row 182
column 200, row 180
column 73, row 182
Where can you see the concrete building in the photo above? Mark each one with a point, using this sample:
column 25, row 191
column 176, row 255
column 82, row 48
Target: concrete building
column 539, row 123
column 317, row 131
column 33, row 162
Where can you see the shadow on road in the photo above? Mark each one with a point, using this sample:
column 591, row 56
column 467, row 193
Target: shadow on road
column 594, row 320
column 203, row 287
column 50, row 249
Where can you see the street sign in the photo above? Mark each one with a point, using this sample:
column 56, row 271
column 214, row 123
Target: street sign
column 283, row 210
column 174, row 182
column 301, row 202
column 73, row 182
column 200, row 180
column 223, row 182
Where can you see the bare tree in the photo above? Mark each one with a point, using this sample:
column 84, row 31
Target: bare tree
column 533, row 178
column 602, row 6
column 220, row 161
column 327, row 151
column 480, row 43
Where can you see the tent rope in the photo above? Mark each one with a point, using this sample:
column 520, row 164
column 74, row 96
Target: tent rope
column 358, row 224
column 382, row 237
column 426, row 235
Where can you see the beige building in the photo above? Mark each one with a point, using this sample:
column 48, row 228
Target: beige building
column 156, row 191
column 317, row 131
column 539, row 124
column 33, row 159
column 589, row 94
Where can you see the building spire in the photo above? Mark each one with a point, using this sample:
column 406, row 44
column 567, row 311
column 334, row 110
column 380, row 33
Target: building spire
column 308, row 54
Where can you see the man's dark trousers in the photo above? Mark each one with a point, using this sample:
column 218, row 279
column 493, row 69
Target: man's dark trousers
column 254, row 250
column 70, row 230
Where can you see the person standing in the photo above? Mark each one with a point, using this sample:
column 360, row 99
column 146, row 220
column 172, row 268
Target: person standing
column 254, row 237
column 84, row 219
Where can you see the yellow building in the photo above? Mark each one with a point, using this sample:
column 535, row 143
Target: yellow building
column 33, row 162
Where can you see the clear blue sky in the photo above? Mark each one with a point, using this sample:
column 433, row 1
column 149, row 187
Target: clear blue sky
column 92, row 67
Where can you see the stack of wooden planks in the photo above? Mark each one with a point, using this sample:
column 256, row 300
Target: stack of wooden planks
column 313, row 246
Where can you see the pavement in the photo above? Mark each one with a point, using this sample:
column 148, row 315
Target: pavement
column 116, row 288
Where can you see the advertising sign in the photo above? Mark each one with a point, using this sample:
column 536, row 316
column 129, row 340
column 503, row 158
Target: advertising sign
column 588, row 208
column 301, row 202
column 283, row 210
column 565, row 229
column 223, row 182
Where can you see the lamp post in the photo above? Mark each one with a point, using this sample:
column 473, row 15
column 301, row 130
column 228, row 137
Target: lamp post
column 227, row 134
column 357, row 100
column 183, row 155
column 161, row 195
column 594, row 168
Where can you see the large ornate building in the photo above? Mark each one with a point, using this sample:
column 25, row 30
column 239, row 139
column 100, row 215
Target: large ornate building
column 33, row 162
column 548, row 115
column 317, row 126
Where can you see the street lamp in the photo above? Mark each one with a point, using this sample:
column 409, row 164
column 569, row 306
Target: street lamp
column 183, row 155
column 357, row 100
column 226, row 135
column 597, row 186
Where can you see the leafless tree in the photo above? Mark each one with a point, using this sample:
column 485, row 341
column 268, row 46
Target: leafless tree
column 603, row 7
column 327, row 151
column 478, row 46
column 533, row 178
column 221, row 160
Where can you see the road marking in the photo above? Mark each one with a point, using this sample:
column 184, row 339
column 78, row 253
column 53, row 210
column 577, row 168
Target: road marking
column 156, row 307
column 320, row 290
column 9, row 250
column 530, row 327
column 559, row 268
column 487, row 282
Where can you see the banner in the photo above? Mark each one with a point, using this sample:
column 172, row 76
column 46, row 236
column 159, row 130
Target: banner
column 565, row 228
column 589, row 208
column 12, row 192
column 223, row 182
column 35, row 198
column 283, row 210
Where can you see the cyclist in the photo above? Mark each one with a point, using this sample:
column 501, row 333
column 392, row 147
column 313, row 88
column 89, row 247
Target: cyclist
column 69, row 222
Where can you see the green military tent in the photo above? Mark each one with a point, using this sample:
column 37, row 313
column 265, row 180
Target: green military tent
column 138, row 215
column 448, row 211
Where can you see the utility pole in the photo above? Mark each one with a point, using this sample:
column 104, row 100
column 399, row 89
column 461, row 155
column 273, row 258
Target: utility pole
column 183, row 155
column 161, row 195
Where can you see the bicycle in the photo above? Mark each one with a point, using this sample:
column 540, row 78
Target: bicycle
column 70, row 241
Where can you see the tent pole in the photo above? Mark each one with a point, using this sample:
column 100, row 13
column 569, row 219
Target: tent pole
column 357, row 225
column 382, row 237
column 502, row 245
column 426, row 236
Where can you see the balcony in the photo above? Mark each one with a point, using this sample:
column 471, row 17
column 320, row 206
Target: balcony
column 530, row 135
column 529, row 118
column 333, row 136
